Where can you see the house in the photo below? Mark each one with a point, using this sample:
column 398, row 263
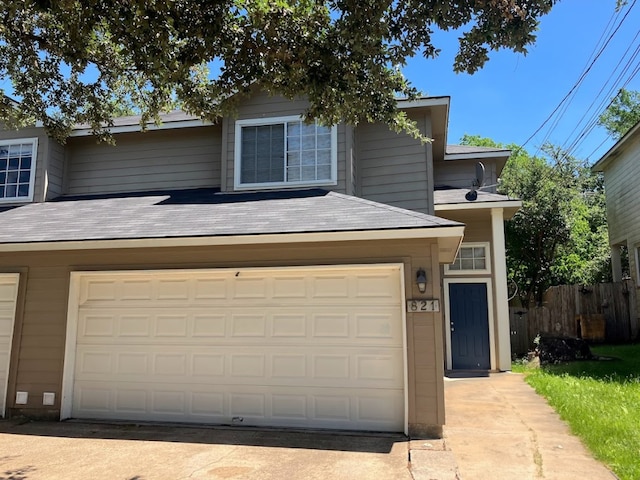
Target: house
column 191, row 274
column 621, row 169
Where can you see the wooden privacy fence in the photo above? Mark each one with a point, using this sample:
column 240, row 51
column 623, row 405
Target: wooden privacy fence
column 613, row 305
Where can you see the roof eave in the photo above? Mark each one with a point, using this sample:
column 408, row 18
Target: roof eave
column 190, row 123
column 510, row 207
column 424, row 102
column 196, row 122
column 614, row 151
column 475, row 155
column 442, row 233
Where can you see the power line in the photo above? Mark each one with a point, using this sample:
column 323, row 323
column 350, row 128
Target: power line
column 598, row 47
column 611, row 89
column 608, row 99
column 582, row 76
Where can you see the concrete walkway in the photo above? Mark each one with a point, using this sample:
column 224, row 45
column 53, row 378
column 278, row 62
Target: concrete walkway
column 499, row 428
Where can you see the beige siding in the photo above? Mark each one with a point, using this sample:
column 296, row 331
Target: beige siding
column 392, row 168
column 155, row 160
column 43, row 139
column 55, row 170
column 262, row 105
column 460, row 173
column 38, row 356
column 623, row 203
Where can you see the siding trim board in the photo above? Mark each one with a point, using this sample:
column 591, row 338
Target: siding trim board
column 8, row 310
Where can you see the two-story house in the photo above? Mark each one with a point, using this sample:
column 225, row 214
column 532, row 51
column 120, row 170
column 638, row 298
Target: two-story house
column 621, row 169
column 257, row 271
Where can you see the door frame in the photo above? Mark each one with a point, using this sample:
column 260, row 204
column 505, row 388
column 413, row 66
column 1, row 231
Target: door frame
column 75, row 279
column 447, row 317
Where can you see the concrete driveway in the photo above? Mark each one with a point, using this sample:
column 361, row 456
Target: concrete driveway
column 49, row 450
column 497, row 428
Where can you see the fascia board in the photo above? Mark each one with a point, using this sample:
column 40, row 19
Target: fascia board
column 445, row 207
column 391, row 234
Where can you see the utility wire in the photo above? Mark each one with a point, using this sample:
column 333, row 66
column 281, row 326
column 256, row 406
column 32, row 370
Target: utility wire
column 598, row 47
column 609, row 97
column 613, row 86
column 582, row 76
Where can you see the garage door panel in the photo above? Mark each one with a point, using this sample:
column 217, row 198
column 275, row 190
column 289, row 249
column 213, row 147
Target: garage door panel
column 8, row 292
column 250, row 287
column 325, row 366
column 302, row 347
column 249, row 405
column 311, row 325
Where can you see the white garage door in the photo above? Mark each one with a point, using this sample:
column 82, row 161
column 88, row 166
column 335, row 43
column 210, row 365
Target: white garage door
column 8, row 296
column 299, row 347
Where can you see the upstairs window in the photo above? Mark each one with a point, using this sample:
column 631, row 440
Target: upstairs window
column 17, row 169
column 285, row 151
column 472, row 258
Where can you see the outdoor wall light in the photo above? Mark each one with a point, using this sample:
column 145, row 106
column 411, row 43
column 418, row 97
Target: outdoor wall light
column 421, row 280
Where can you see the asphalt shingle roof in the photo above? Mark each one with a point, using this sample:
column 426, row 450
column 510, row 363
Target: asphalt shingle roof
column 457, row 195
column 470, row 149
column 202, row 213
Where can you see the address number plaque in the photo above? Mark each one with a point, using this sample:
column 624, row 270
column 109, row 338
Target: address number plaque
column 423, row 305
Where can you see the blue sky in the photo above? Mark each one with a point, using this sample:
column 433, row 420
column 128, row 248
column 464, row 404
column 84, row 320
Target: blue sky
column 514, row 94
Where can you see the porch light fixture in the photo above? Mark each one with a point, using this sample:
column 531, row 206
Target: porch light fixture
column 421, row 280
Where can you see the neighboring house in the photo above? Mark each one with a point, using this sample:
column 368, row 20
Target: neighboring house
column 258, row 271
column 621, row 169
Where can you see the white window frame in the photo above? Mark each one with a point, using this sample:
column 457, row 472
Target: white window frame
column 32, row 178
column 487, row 262
column 238, row 185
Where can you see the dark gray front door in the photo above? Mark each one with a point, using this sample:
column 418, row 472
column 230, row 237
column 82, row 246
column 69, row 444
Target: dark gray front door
column 469, row 325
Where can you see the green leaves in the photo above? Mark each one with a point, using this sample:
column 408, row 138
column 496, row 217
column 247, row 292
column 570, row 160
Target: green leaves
column 73, row 61
column 622, row 114
column 559, row 236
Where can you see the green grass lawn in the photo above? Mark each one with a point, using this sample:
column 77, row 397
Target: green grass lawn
column 600, row 400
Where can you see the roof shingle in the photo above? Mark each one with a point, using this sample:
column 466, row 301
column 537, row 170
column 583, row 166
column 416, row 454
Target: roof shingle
column 202, row 213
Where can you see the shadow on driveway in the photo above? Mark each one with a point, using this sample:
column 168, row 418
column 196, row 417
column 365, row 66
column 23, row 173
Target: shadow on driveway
column 82, row 450
column 211, row 435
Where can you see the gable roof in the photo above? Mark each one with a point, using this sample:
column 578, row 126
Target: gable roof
column 206, row 213
column 615, row 151
column 180, row 119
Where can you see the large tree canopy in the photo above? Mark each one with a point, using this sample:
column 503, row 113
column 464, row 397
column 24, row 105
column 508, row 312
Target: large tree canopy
column 77, row 61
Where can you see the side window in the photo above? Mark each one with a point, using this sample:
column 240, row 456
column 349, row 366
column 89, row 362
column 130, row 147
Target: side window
column 17, row 169
column 473, row 258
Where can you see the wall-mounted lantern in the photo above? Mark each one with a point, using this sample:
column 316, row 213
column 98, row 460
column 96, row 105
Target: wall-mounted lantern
column 421, row 280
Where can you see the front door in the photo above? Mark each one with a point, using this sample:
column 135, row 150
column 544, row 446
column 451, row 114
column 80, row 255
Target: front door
column 469, row 324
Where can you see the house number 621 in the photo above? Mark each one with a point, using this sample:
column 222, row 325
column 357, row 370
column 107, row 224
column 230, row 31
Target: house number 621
column 423, row 305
